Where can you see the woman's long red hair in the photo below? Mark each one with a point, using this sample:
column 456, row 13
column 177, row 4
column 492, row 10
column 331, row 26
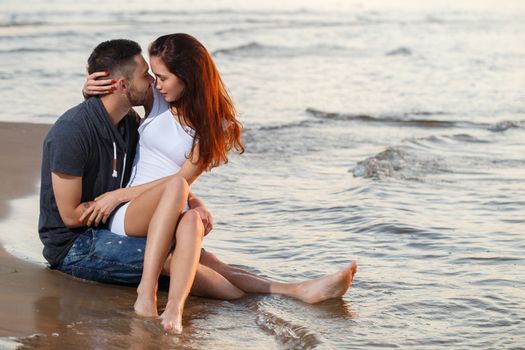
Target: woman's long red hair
column 205, row 104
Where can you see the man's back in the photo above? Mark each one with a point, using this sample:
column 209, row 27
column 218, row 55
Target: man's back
column 80, row 144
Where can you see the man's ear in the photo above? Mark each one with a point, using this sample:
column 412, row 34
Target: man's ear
column 121, row 84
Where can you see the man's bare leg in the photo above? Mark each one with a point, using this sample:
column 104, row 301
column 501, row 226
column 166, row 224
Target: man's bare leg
column 210, row 284
column 310, row 291
column 218, row 280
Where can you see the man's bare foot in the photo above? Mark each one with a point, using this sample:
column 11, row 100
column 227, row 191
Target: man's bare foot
column 171, row 319
column 146, row 305
column 327, row 287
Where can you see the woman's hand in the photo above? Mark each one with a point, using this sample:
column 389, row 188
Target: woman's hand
column 207, row 219
column 94, row 86
column 100, row 210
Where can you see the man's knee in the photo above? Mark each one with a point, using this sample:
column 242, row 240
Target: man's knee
column 210, row 260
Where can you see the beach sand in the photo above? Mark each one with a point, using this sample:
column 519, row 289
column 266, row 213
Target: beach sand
column 46, row 309
column 34, row 299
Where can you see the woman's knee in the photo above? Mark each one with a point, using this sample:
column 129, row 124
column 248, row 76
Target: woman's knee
column 177, row 185
column 191, row 223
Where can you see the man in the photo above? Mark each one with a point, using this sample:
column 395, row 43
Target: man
column 87, row 153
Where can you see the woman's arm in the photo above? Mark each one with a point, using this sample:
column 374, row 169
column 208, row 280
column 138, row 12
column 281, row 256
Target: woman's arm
column 106, row 203
column 190, row 170
column 95, row 86
column 198, row 205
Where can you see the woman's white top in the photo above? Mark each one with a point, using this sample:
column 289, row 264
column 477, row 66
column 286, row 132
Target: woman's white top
column 164, row 144
column 161, row 151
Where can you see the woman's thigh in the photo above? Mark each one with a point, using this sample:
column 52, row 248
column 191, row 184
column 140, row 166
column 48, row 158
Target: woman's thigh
column 140, row 210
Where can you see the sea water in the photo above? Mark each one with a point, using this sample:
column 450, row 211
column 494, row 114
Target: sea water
column 391, row 132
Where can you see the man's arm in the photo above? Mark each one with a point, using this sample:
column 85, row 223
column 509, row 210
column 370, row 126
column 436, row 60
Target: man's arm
column 68, row 192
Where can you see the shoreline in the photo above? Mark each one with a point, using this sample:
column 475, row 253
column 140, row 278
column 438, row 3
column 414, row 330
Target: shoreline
column 42, row 308
column 36, row 303
column 19, row 163
column 21, row 145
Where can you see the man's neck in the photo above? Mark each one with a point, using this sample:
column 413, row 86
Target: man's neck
column 117, row 107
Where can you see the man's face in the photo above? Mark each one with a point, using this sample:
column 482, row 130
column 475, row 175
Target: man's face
column 139, row 83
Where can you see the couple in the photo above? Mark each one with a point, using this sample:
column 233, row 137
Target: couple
column 94, row 228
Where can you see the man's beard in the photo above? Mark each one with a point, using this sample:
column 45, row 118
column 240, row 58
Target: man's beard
column 135, row 97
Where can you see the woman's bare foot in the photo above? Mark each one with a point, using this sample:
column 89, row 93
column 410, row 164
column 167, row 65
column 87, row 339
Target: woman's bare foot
column 327, row 287
column 146, row 304
column 171, row 319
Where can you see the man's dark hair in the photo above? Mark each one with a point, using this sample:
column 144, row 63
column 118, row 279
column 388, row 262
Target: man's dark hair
column 114, row 56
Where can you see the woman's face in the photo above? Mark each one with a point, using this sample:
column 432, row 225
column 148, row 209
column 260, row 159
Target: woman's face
column 167, row 83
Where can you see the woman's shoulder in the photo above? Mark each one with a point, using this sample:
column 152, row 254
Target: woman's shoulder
column 158, row 105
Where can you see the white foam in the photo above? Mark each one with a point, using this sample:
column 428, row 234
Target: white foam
column 19, row 231
column 9, row 343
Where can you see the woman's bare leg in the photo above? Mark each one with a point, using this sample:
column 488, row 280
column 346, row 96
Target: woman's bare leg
column 310, row 291
column 160, row 236
column 183, row 267
column 140, row 210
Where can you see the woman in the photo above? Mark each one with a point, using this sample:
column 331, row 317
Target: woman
column 190, row 128
column 203, row 129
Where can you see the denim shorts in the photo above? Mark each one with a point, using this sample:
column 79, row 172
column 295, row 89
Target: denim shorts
column 103, row 256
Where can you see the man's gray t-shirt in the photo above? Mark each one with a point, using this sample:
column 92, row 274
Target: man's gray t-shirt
column 81, row 144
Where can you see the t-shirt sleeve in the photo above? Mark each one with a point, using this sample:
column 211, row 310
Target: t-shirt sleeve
column 159, row 104
column 68, row 149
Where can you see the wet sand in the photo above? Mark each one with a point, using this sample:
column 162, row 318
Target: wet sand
column 35, row 300
column 23, row 283
column 45, row 309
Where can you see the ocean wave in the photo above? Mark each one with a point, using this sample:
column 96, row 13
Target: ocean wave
column 383, row 164
column 290, row 336
column 267, row 24
column 400, row 162
column 400, row 51
column 13, row 24
column 506, row 125
column 251, row 47
column 403, row 119
column 299, row 124
column 256, row 49
column 412, row 119
column 29, row 50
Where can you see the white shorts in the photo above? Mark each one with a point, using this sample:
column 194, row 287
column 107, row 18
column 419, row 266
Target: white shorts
column 116, row 221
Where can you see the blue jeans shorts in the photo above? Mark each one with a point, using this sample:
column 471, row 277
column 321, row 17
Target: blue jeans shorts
column 103, row 256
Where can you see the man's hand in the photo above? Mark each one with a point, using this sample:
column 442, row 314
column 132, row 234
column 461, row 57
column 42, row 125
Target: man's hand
column 207, row 219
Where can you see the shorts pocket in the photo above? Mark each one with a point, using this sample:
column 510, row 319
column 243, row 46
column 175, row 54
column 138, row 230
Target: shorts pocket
column 79, row 250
